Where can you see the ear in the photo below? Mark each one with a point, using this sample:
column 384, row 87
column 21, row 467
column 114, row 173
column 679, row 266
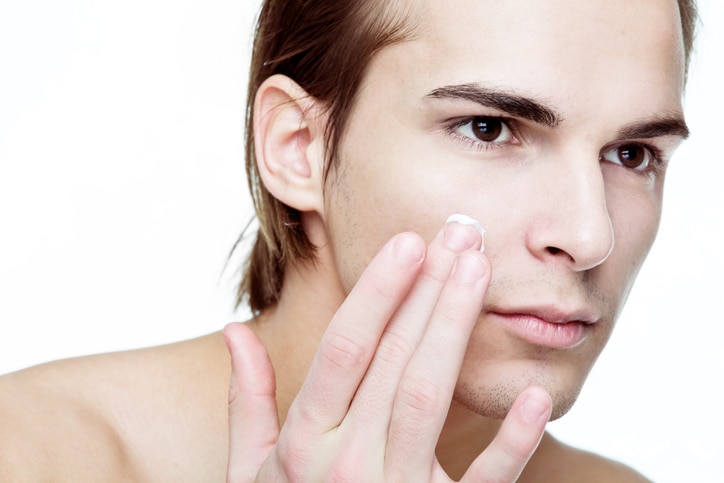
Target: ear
column 289, row 143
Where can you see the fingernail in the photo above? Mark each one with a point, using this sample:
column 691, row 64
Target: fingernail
column 408, row 249
column 456, row 241
column 468, row 268
column 533, row 409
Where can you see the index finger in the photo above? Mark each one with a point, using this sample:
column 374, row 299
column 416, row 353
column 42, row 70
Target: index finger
column 516, row 441
column 353, row 334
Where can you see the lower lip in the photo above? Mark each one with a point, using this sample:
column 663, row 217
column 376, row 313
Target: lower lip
column 541, row 333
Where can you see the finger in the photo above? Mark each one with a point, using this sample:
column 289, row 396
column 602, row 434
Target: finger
column 353, row 333
column 253, row 420
column 424, row 394
column 374, row 399
column 516, row 441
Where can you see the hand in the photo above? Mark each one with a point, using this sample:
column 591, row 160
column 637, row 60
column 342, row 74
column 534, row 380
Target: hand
column 377, row 393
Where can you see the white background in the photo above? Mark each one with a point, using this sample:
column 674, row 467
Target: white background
column 122, row 191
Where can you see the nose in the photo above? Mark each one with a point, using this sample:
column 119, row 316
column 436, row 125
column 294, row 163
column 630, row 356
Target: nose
column 572, row 223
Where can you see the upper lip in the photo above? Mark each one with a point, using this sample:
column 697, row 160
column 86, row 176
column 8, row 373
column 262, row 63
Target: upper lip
column 549, row 313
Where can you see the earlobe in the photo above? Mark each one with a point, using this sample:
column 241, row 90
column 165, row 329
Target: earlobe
column 289, row 136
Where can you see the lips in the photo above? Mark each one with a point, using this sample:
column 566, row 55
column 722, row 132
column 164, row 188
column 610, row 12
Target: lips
column 545, row 326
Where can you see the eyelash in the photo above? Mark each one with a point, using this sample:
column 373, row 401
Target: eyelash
column 654, row 166
column 453, row 130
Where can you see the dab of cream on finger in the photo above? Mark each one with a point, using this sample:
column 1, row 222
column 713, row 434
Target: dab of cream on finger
column 466, row 220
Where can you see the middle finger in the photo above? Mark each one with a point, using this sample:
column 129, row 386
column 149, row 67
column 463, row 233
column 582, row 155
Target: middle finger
column 372, row 405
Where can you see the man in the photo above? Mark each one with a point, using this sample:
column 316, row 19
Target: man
column 549, row 123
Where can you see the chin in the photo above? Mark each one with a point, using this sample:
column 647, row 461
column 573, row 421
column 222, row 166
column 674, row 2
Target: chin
column 495, row 401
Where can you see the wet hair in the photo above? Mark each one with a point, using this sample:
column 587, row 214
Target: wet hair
column 325, row 46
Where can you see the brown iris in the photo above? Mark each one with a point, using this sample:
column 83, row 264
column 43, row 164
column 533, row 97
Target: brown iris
column 487, row 129
column 633, row 156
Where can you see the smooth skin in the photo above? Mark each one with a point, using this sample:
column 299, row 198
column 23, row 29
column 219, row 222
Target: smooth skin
column 372, row 404
column 394, row 356
column 570, row 213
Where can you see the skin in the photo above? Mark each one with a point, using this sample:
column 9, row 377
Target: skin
column 351, row 374
column 551, row 208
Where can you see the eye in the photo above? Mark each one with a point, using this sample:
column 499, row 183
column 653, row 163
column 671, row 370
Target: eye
column 486, row 129
column 632, row 156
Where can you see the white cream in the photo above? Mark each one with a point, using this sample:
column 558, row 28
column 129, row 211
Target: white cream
column 466, row 220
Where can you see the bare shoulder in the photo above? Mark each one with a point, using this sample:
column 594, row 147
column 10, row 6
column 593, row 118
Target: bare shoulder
column 129, row 416
column 559, row 462
column 43, row 428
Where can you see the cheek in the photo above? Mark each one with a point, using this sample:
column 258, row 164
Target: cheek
column 392, row 185
column 371, row 201
column 380, row 188
column 635, row 216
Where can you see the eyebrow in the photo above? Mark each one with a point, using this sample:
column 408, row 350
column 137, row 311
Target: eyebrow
column 663, row 126
column 528, row 108
column 509, row 102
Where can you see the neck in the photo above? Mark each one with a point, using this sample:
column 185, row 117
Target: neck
column 464, row 436
column 292, row 328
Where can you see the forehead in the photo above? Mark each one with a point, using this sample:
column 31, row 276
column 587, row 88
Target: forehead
column 574, row 53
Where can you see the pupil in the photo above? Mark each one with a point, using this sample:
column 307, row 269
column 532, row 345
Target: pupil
column 631, row 156
column 487, row 128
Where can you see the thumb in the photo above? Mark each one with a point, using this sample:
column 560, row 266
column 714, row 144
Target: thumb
column 253, row 420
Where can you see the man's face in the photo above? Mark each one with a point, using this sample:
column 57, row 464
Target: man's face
column 550, row 122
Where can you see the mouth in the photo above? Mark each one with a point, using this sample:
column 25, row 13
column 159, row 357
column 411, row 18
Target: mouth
column 545, row 326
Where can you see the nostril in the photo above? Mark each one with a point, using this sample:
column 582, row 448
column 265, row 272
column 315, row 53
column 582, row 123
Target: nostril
column 553, row 250
column 559, row 252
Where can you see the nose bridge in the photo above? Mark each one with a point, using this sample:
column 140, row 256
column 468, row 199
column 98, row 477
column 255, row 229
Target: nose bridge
column 575, row 217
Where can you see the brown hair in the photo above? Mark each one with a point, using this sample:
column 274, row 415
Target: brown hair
column 325, row 46
column 688, row 13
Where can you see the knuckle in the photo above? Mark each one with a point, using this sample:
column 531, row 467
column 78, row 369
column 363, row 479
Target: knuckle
column 455, row 313
column 420, row 394
column 292, row 460
column 437, row 268
column 436, row 272
column 383, row 289
column 343, row 351
column 233, row 392
column 396, row 346
column 299, row 417
column 343, row 471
